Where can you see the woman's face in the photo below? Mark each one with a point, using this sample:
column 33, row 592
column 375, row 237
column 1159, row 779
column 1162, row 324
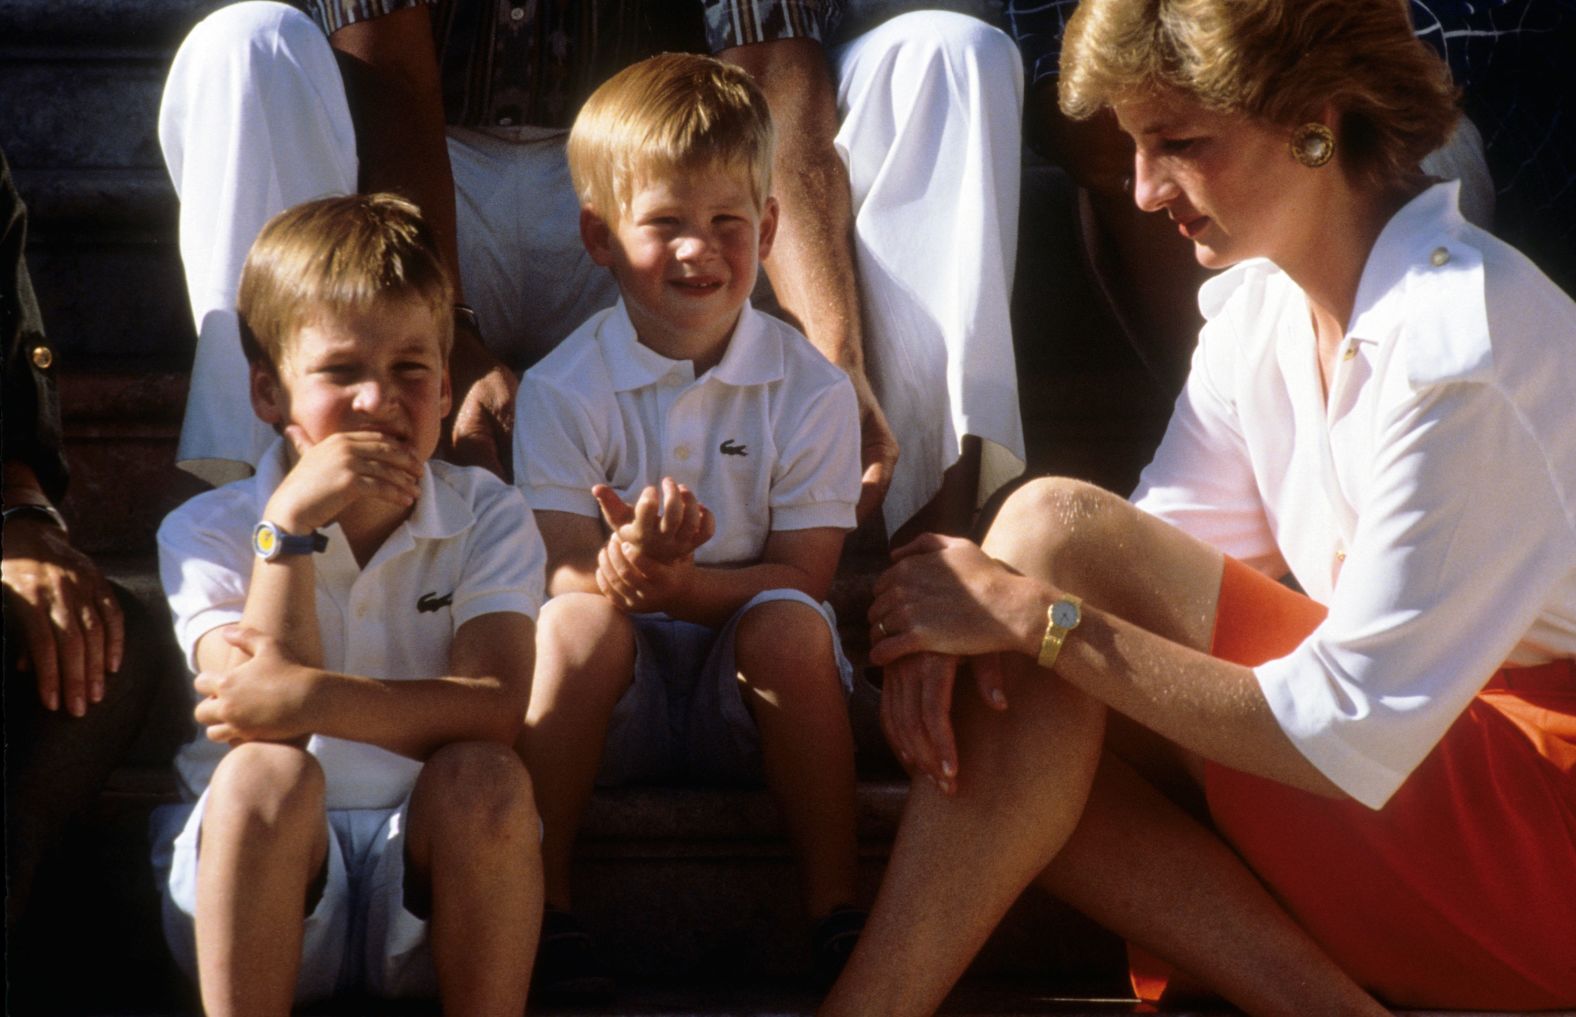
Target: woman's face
column 1229, row 182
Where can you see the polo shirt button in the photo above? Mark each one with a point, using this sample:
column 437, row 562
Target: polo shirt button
column 43, row 356
column 1340, row 556
column 1351, row 351
column 681, row 453
column 671, row 380
column 361, row 610
column 517, row 14
column 1440, row 257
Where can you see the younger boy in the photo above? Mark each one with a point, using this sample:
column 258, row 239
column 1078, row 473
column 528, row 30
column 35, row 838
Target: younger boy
column 665, row 655
column 362, row 620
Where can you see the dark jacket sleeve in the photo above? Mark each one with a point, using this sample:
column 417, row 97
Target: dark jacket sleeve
column 31, row 407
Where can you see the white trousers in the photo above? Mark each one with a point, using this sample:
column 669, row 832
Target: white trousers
column 255, row 120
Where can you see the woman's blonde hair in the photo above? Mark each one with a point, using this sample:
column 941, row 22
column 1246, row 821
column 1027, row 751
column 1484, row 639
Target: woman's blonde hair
column 1283, row 61
column 337, row 256
column 673, row 112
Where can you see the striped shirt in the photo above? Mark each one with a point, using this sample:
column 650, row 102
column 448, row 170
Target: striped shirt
column 533, row 62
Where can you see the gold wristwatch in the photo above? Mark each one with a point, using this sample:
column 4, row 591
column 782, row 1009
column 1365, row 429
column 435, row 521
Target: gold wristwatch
column 1060, row 619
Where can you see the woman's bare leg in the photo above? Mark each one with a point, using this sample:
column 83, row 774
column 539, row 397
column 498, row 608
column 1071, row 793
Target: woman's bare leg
column 959, row 862
column 1142, row 867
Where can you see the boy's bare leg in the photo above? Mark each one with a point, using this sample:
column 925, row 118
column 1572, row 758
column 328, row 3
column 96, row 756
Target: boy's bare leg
column 958, row 863
column 585, row 660
column 1144, row 868
column 473, row 841
column 783, row 651
column 264, row 839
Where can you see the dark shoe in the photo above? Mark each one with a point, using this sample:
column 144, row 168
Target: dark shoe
column 569, row 969
column 833, row 942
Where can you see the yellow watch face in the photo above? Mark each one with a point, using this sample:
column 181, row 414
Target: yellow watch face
column 265, row 541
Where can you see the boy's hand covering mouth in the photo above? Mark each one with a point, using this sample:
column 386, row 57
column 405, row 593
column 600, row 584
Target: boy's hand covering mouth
column 330, row 475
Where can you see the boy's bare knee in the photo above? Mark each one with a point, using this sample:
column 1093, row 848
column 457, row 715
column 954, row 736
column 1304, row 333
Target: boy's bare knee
column 480, row 791
column 573, row 617
column 782, row 631
column 270, row 784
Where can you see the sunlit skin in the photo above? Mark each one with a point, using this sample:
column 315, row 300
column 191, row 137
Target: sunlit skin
column 1227, row 181
column 685, row 253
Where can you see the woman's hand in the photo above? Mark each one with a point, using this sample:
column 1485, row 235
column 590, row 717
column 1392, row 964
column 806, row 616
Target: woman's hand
column 945, row 595
column 943, row 600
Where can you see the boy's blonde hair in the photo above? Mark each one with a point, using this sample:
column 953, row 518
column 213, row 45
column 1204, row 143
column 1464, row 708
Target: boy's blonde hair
column 673, row 112
column 336, row 256
column 1282, row 61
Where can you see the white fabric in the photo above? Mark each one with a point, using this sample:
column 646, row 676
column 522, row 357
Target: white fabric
column 603, row 409
column 359, row 935
column 932, row 106
column 470, row 538
column 255, row 119
column 1431, row 505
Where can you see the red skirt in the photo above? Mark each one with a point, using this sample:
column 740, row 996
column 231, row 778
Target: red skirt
column 1461, row 891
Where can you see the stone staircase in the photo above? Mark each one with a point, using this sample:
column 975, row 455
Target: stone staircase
column 686, row 888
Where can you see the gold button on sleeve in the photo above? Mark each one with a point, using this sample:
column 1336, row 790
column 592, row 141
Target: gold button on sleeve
column 1440, row 257
column 43, row 357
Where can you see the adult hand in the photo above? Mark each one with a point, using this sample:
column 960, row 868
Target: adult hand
column 945, row 595
column 74, row 629
column 668, row 525
column 263, row 698
column 484, row 420
column 638, row 583
column 878, row 449
column 344, row 467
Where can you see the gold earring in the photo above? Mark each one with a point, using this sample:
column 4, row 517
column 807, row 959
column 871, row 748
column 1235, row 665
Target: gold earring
column 1313, row 144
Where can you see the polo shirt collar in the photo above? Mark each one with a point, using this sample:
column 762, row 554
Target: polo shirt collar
column 751, row 358
column 1404, row 247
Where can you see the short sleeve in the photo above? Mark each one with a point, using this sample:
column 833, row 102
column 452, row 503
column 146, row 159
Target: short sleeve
column 332, row 15
column 816, row 481
column 559, row 447
column 732, row 23
column 205, row 564
column 505, row 559
column 1461, row 543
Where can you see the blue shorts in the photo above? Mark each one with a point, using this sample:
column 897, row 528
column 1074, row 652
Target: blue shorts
column 359, row 937
column 683, row 718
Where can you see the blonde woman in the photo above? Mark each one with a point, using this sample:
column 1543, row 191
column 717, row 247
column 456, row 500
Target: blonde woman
column 1291, row 798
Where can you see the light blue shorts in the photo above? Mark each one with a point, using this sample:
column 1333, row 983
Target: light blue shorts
column 359, row 937
column 683, row 718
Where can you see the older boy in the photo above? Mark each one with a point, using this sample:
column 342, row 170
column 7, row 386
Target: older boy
column 362, row 619
column 690, row 659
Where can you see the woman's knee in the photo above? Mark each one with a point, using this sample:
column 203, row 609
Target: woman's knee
column 1055, row 521
column 478, row 791
column 269, row 784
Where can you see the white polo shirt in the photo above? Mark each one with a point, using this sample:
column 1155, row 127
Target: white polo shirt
column 469, row 548
column 1430, row 504
column 768, row 439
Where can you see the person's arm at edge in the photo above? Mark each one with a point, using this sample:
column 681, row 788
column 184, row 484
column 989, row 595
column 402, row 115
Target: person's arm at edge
column 395, row 92
column 812, row 265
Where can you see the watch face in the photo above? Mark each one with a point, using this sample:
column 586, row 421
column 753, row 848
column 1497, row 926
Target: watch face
column 265, row 541
column 1065, row 614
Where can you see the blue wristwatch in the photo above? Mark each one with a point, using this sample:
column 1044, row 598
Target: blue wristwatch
column 270, row 542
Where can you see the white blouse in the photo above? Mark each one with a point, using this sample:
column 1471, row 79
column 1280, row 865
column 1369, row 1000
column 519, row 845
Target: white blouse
column 1430, row 503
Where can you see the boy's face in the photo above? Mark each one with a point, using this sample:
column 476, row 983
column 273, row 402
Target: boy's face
column 381, row 369
column 685, row 255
